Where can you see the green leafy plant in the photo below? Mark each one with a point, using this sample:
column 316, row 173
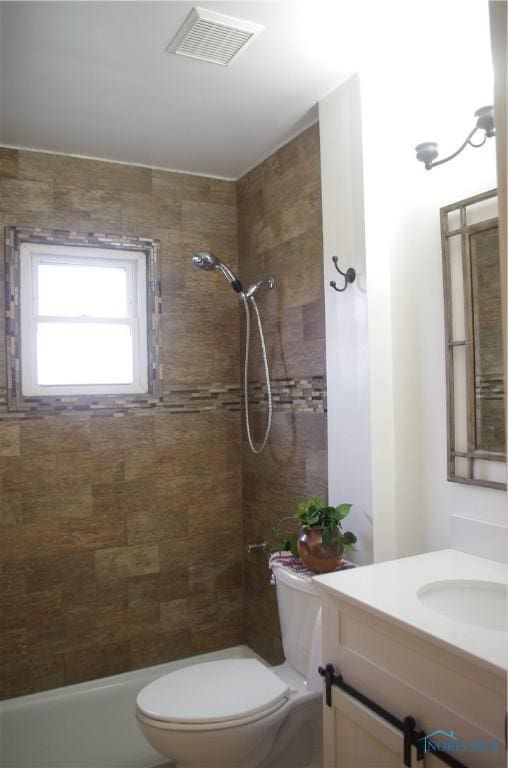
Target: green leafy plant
column 285, row 533
column 314, row 513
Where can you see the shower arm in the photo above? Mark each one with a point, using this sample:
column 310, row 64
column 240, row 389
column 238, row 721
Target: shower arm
column 252, row 289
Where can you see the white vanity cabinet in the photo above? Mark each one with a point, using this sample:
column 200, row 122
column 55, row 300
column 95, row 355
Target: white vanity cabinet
column 406, row 670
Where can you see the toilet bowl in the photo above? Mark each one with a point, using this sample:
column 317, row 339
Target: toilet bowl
column 239, row 713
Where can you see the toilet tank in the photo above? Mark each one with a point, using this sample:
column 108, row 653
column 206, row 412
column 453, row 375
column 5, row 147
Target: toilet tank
column 298, row 604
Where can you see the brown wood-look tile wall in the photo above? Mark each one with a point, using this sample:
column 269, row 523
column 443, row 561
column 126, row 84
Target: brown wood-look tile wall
column 121, row 537
column 280, row 233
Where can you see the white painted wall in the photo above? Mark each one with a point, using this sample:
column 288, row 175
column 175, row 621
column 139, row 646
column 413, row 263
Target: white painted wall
column 417, row 91
column 349, row 465
column 419, row 362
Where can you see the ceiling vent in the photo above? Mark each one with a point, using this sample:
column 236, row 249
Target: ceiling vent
column 213, row 37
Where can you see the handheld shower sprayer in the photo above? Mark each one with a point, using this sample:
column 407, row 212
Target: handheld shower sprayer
column 207, row 260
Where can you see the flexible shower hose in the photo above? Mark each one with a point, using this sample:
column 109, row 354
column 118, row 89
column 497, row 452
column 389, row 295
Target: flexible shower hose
column 246, row 374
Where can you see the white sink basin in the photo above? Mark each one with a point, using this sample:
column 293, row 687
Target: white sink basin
column 477, row 603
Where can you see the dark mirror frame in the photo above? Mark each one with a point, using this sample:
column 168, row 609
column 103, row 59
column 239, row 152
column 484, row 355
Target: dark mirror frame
column 454, row 222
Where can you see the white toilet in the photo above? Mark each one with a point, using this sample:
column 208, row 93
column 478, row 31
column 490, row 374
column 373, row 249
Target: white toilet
column 239, row 713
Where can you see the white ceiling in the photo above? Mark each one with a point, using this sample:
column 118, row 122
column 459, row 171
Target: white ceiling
column 92, row 78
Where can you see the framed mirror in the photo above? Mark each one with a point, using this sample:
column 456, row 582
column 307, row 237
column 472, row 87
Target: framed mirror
column 474, row 342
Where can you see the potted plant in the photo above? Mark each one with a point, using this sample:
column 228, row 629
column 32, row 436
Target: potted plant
column 319, row 541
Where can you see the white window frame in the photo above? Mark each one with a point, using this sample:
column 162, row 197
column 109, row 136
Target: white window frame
column 134, row 262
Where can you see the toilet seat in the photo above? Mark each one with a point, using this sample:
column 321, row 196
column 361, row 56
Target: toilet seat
column 216, row 694
column 164, row 725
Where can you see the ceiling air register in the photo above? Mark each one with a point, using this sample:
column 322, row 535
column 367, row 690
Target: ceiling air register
column 213, row 37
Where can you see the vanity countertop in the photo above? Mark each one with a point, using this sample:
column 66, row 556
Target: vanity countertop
column 390, row 591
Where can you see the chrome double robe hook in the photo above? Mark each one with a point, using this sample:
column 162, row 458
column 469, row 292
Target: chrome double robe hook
column 349, row 276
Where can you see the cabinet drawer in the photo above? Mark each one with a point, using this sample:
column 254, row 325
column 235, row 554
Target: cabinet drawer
column 362, row 739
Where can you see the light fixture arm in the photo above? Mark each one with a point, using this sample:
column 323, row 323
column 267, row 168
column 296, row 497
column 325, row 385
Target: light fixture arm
column 467, row 141
column 427, row 152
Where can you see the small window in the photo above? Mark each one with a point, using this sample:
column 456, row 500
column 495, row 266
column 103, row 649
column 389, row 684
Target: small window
column 83, row 320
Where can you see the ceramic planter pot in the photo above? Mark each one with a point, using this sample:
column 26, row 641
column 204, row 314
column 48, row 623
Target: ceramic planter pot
column 314, row 554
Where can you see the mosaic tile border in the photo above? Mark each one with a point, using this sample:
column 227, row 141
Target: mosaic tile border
column 16, row 402
column 198, row 398
column 490, row 387
column 307, row 394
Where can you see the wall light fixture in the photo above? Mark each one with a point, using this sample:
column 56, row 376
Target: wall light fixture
column 427, row 152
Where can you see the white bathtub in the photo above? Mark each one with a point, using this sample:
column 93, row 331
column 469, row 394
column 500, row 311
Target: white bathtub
column 89, row 725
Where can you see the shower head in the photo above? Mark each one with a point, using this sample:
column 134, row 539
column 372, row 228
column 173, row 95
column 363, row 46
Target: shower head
column 207, row 260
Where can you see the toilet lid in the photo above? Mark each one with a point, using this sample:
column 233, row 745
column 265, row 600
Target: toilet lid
column 213, row 692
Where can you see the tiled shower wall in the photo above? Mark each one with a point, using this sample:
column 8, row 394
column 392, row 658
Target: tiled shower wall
column 280, row 234
column 121, row 535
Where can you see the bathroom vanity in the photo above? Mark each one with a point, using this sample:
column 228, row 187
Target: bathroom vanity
column 424, row 637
